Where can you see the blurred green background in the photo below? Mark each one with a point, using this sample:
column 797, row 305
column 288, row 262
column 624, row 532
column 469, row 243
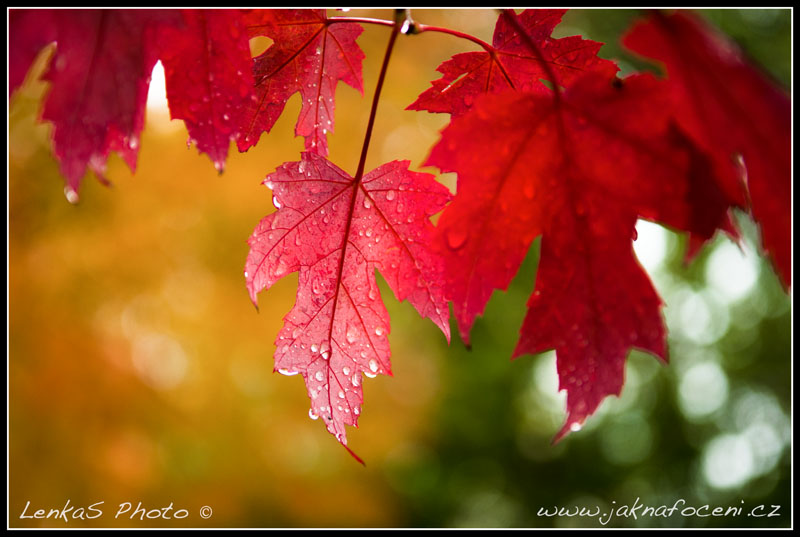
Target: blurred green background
column 139, row 370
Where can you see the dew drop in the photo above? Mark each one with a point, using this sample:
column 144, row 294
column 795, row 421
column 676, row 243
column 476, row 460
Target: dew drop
column 269, row 184
column 341, row 394
column 528, row 190
column 456, row 238
column 352, row 335
column 575, row 427
column 286, row 372
column 276, row 202
column 390, row 195
column 373, row 366
column 315, row 348
column 311, row 414
column 378, row 332
column 370, row 375
column 367, row 203
column 346, row 370
column 356, row 411
column 71, row 195
column 319, row 376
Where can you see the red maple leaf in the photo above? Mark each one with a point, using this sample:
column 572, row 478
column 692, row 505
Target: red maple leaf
column 336, row 231
column 208, row 74
column 310, row 55
column 99, row 77
column 511, row 64
column 729, row 108
column 578, row 168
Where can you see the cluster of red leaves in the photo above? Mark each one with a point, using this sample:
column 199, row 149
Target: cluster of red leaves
column 546, row 141
column 579, row 164
column 101, row 68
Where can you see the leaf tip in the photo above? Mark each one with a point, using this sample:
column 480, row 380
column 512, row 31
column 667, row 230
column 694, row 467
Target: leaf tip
column 572, row 425
column 254, row 302
column 464, row 332
column 353, row 454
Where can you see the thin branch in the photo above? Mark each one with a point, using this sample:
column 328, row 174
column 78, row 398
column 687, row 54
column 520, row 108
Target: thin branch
column 375, row 99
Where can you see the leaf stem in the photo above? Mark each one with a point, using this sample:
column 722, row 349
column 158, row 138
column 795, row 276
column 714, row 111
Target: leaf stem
column 417, row 28
column 399, row 18
column 360, row 20
column 427, row 28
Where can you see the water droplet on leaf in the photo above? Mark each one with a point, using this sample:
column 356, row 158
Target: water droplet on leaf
column 456, row 238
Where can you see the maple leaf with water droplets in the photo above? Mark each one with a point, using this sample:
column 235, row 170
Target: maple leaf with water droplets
column 310, row 55
column 512, row 65
column 208, row 77
column 728, row 108
column 577, row 170
column 336, row 231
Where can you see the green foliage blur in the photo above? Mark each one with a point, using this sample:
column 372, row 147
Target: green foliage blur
column 140, row 372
